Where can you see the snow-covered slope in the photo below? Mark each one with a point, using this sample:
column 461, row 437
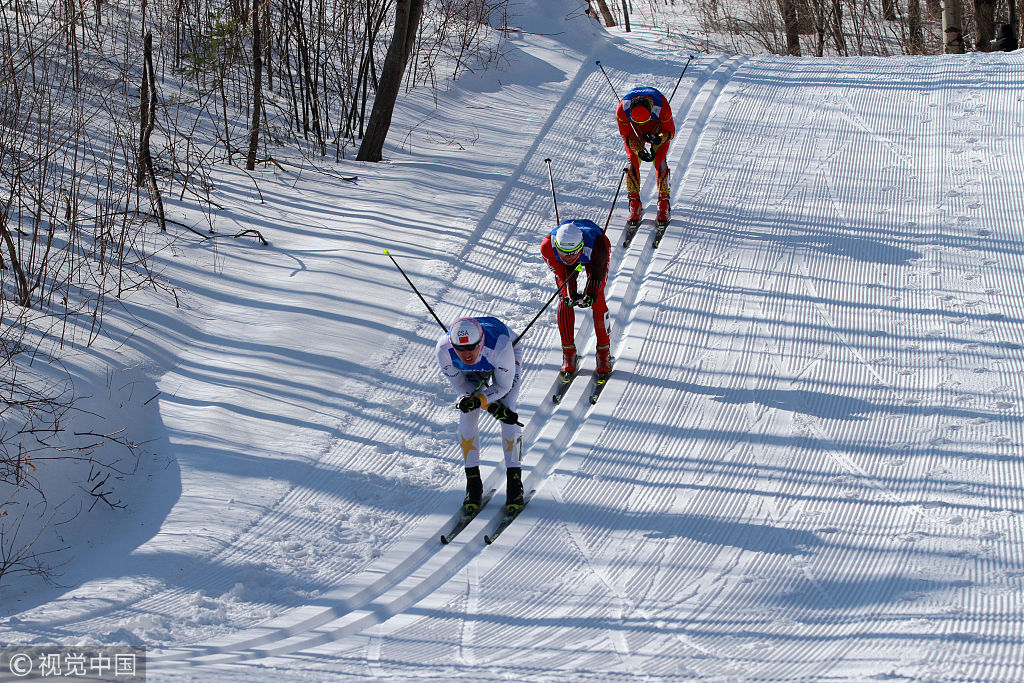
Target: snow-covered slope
column 806, row 466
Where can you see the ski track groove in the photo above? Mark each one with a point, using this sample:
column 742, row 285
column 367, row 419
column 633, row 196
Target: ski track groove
column 512, row 257
column 732, row 293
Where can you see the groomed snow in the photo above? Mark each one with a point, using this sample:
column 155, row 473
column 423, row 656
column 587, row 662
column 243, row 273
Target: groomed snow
column 807, row 465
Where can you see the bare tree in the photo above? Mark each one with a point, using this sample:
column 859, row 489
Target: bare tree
column 407, row 19
column 146, row 172
column 257, row 86
column 915, row 44
column 792, row 27
column 985, row 24
column 952, row 27
column 606, row 13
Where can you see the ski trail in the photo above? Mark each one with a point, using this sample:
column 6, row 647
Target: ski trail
column 394, row 590
column 807, row 450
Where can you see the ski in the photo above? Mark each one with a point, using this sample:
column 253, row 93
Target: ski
column 565, row 381
column 466, row 518
column 659, row 233
column 507, row 519
column 600, row 380
column 631, row 229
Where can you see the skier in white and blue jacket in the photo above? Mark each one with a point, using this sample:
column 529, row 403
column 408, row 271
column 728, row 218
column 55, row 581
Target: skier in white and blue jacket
column 478, row 358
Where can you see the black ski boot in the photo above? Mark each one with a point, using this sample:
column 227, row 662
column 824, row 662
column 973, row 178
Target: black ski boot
column 513, row 490
column 474, row 491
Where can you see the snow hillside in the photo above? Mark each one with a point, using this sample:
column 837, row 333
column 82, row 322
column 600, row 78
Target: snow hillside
column 807, row 465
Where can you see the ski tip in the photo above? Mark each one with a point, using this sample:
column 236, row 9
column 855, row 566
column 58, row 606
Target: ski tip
column 444, row 541
column 488, row 539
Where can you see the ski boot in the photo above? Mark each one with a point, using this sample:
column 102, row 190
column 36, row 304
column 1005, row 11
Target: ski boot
column 664, row 212
column 636, row 211
column 604, row 361
column 513, row 490
column 570, row 362
column 474, row 491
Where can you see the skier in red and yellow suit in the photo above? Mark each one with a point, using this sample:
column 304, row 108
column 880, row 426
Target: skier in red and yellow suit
column 582, row 242
column 645, row 118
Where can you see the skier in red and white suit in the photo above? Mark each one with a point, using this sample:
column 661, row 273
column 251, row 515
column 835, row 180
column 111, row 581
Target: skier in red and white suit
column 645, row 118
column 580, row 242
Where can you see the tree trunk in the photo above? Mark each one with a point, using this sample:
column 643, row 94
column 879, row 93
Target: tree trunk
column 915, row 45
column 606, row 13
column 792, row 27
column 407, row 19
column 625, row 15
column 257, row 87
column 952, row 28
column 985, row 20
column 145, row 117
column 889, row 10
column 1017, row 17
column 24, row 296
column 148, row 173
column 837, row 28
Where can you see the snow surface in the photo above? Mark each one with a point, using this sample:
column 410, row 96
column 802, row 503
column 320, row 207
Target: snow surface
column 806, row 466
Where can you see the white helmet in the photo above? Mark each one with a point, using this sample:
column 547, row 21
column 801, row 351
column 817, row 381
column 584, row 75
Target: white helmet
column 466, row 334
column 568, row 238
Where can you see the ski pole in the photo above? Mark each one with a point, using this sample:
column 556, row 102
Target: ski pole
column 608, row 79
column 551, row 179
column 614, row 199
column 579, row 267
column 388, row 254
column 679, row 79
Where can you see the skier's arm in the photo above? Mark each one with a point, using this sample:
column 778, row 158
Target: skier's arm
column 597, row 269
column 454, row 375
column 666, row 124
column 626, row 130
column 503, row 358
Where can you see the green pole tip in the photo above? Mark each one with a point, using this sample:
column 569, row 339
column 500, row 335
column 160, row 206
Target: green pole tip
column 387, row 253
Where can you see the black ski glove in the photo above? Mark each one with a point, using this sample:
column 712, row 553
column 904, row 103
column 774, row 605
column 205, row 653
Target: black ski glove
column 586, row 301
column 653, row 139
column 645, row 155
column 502, row 414
column 470, row 402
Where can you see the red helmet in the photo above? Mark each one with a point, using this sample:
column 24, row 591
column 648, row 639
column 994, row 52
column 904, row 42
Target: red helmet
column 639, row 114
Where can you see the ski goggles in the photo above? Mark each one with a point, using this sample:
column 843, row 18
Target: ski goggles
column 467, row 347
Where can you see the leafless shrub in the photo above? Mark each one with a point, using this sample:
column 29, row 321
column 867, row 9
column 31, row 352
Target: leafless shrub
column 826, row 27
column 76, row 223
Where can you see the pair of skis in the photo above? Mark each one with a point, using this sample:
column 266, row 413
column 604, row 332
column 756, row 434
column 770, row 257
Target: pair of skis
column 633, row 226
column 467, row 517
column 565, row 381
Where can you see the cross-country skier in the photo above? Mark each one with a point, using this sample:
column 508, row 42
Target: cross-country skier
column 571, row 243
column 478, row 358
column 645, row 118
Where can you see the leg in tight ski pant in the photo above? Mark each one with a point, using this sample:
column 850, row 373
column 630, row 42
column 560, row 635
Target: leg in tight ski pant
column 633, row 176
column 567, row 320
column 511, row 435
